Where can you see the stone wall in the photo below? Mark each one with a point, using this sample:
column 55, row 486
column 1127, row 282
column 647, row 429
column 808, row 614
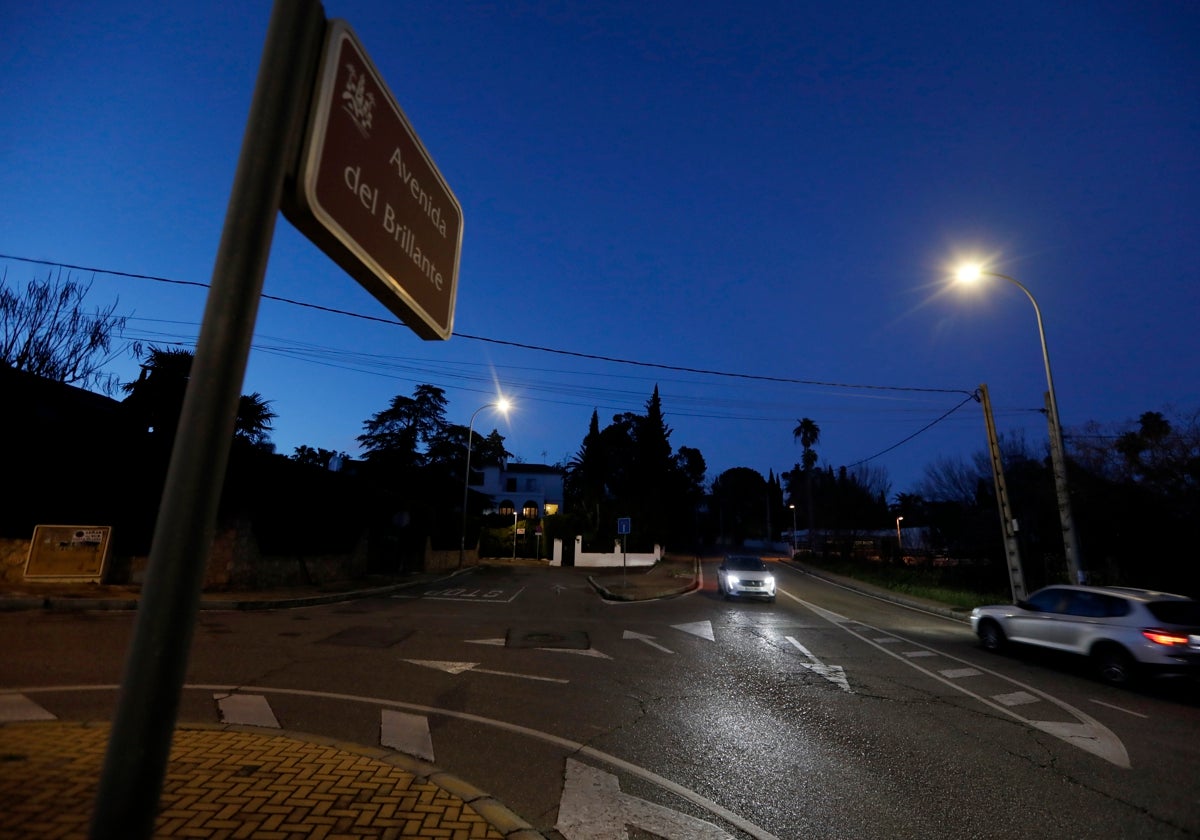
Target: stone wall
column 13, row 554
column 235, row 563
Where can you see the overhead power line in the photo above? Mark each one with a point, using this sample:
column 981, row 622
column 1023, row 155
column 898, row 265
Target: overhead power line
column 293, row 352
column 519, row 345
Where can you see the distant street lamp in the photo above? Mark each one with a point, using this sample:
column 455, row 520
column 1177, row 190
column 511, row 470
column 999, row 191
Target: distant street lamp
column 899, row 542
column 793, row 507
column 971, row 274
column 501, row 405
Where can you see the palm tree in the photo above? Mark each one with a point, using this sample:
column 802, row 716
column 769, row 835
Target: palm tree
column 254, row 416
column 808, row 433
column 156, row 398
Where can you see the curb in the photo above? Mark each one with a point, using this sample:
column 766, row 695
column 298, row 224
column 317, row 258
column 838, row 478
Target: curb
column 658, row 595
column 69, row 603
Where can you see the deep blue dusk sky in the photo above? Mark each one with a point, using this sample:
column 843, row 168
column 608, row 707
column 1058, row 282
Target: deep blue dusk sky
column 772, row 190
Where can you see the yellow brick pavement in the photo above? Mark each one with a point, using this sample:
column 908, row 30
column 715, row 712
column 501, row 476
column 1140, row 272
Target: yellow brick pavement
column 228, row 783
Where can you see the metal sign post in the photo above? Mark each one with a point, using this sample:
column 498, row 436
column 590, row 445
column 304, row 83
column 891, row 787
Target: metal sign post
column 624, row 524
column 156, row 663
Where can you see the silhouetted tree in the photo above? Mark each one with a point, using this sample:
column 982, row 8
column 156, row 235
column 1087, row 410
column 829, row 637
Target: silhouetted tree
column 155, row 399
column 809, row 434
column 397, row 433
column 46, row 332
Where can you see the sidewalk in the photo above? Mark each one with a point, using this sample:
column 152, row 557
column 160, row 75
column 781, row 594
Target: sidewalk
column 238, row 782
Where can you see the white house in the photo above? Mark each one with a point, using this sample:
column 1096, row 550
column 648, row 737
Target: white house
column 532, row 490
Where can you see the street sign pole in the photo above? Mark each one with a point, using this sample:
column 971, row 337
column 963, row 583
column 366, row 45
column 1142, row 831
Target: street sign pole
column 156, row 663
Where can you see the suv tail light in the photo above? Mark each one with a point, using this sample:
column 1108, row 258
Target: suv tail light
column 1165, row 637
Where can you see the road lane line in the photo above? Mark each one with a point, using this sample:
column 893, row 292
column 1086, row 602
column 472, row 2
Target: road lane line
column 1119, row 709
column 1089, row 734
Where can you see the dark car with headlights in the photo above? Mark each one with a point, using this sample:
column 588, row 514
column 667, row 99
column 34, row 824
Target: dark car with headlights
column 1125, row 631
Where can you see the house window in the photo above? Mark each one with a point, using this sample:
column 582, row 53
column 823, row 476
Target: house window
column 510, row 485
column 507, row 508
column 530, row 510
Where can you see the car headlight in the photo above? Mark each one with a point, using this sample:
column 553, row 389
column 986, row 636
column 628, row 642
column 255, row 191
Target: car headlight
column 732, row 580
column 771, row 581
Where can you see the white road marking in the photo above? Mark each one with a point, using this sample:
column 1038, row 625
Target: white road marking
column 17, row 707
column 1089, row 734
column 918, row 654
column 477, row 595
column 703, row 629
column 407, row 733
column 1017, row 698
column 593, row 807
column 834, row 673
column 642, row 637
column 461, row 667
column 502, row 642
column 959, row 673
column 246, row 710
column 1119, row 709
column 565, row 744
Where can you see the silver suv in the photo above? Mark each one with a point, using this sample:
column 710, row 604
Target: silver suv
column 1123, row 630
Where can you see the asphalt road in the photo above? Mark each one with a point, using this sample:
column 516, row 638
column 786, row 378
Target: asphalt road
column 824, row 715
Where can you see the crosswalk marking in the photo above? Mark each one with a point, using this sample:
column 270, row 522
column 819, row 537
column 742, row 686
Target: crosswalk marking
column 959, row 673
column 407, row 733
column 246, row 710
column 17, row 707
column 1017, row 698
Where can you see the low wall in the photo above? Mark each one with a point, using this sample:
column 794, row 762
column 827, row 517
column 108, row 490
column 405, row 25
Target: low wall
column 593, row 560
column 234, row 563
column 13, row 554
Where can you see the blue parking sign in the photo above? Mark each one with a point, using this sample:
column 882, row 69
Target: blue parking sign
column 623, row 524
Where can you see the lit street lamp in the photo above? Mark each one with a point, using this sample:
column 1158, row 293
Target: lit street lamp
column 970, row 274
column 793, row 507
column 899, row 542
column 502, row 406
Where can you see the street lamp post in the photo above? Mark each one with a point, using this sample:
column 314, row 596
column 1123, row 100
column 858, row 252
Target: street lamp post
column 500, row 405
column 1057, row 453
column 899, row 542
column 793, row 507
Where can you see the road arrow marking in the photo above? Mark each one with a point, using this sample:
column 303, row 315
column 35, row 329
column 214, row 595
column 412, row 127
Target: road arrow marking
column 834, row 673
column 642, row 637
column 407, row 733
column 593, row 807
column 502, row 642
column 460, row 667
column 559, row 588
column 703, row 629
column 246, row 710
column 18, row 707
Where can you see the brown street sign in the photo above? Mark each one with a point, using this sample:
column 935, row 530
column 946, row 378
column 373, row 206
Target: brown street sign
column 370, row 196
